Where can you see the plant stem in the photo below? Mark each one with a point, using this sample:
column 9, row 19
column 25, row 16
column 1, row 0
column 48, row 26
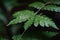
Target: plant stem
column 36, row 13
column 42, row 7
column 22, row 35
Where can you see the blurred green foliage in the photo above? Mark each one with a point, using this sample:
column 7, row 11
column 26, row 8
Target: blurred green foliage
column 35, row 35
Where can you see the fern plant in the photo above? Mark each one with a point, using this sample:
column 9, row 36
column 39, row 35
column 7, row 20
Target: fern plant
column 30, row 17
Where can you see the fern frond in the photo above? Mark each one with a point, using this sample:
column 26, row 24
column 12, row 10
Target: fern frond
column 53, row 1
column 44, row 21
column 37, row 5
column 28, row 23
column 52, row 8
column 14, row 21
column 36, row 21
column 23, row 13
column 22, row 16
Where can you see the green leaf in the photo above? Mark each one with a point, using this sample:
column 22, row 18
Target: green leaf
column 44, row 21
column 37, row 5
column 28, row 23
column 24, row 13
column 52, row 8
column 47, row 22
column 36, row 21
column 22, row 16
column 53, row 25
column 14, row 21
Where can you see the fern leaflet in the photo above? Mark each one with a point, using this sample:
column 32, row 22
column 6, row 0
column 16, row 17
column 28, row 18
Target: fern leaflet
column 22, row 16
column 39, row 5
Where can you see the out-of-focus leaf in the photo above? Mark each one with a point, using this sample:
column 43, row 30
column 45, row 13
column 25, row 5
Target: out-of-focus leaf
column 2, row 16
column 9, row 4
column 49, row 34
column 25, row 37
column 36, row 35
column 16, row 37
column 1, row 38
column 15, row 28
column 1, row 26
